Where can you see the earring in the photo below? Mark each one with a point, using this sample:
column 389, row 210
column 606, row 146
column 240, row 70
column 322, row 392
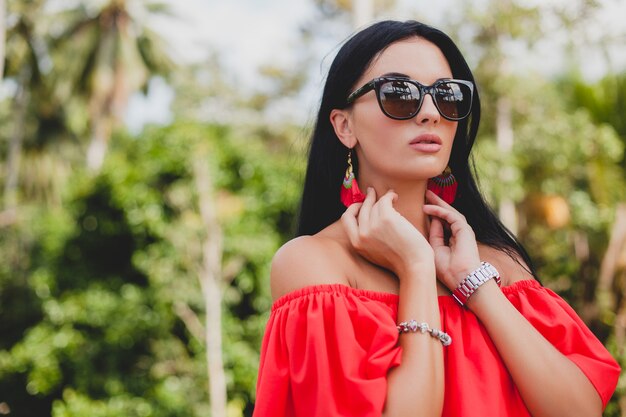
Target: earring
column 444, row 185
column 350, row 192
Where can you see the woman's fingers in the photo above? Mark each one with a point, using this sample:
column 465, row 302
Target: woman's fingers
column 383, row 236
column 349, row 221
column 450, row 215
column 435, row 199
column 366, row 209
column 360, row 220
column 458, row 225
column 384, row 206
column 436, row 236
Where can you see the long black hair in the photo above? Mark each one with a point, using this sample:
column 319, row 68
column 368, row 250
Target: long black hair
column 320, row 205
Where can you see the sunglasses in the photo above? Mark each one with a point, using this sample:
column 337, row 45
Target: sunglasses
column 402, row 98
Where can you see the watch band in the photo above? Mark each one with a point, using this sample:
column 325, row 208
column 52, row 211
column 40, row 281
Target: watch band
column 470, row 284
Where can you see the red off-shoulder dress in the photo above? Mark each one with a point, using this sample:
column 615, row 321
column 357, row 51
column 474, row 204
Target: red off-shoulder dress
column 327, row 350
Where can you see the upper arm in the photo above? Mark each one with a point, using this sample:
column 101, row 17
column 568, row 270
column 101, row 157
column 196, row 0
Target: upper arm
column 304, row 261
column 511, row 270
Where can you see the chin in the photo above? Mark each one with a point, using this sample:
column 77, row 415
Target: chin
column 432, row 170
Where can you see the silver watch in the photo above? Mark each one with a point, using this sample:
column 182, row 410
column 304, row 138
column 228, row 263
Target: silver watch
column 470, row 284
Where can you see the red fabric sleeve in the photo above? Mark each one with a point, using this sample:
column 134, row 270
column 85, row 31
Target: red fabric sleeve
column 326, row 352
column 562, row 327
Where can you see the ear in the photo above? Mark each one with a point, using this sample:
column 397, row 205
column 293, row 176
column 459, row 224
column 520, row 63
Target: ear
column 342, row 123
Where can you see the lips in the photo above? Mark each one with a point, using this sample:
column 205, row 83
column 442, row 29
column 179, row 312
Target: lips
column 427, row 142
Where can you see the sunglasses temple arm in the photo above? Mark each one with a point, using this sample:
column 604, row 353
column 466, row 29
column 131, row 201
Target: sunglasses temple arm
column 358, row 93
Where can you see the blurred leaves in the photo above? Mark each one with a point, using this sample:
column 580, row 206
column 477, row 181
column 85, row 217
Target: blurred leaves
column 108, row 269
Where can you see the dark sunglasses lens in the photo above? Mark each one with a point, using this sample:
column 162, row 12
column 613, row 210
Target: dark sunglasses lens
column 454, row 100
column 399, row 99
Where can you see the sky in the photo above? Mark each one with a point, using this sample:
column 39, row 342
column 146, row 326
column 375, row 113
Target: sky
column 248, row 33
column 244, row 33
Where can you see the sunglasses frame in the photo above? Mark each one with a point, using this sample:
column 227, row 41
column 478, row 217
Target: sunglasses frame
column 423, row 89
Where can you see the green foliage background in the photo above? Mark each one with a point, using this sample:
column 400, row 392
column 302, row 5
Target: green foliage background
column 98, row 268
column 88, row 299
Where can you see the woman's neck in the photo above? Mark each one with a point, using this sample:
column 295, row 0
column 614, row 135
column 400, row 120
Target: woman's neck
column 410, row 202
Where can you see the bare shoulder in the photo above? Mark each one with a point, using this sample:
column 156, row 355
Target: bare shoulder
column 511, row 270
column 305, row 261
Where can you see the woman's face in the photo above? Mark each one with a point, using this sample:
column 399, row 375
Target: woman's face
column 388, row 149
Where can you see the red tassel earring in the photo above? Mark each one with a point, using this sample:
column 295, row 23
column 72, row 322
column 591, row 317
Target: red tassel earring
column 350, row 192
column 444, row 185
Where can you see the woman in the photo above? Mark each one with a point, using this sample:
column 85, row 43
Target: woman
column 403, row 304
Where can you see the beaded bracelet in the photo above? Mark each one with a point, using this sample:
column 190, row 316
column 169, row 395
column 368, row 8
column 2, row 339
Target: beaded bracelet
column 414, row 326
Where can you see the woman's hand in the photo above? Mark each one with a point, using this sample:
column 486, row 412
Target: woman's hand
column 459, row 256
column 383, row 236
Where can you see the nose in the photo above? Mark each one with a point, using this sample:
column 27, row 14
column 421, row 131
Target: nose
column 428, row 112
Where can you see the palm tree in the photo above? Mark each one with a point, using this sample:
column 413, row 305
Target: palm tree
column 114, row 54
column 23, row 51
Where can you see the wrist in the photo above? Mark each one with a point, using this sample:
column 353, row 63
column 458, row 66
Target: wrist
column 417, row 271
column 484, row 299
column 419, row 290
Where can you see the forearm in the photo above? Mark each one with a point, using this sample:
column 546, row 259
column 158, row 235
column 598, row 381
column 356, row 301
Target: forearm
column 549, row 383
column 416, row 386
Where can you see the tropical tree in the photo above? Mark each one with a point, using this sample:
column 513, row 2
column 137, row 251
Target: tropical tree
column 110, row 52
column 35, row 119
column 114, row 317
